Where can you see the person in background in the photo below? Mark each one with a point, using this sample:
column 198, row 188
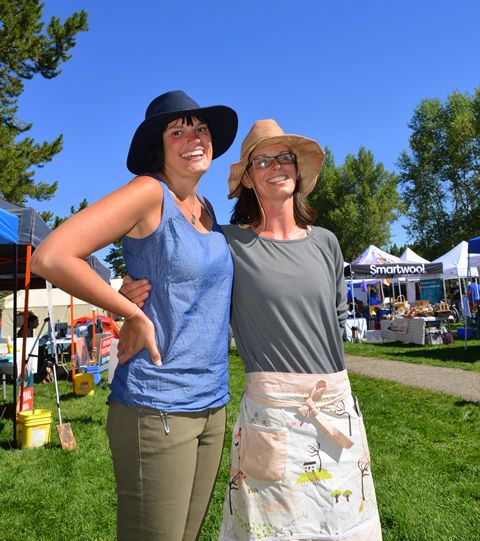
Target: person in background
column 473, row 291
column 455, row 297
column 166, row 418
column 32, row 324
column 300, row 464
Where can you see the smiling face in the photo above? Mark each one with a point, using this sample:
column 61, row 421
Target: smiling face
column 187, row 148
column 277, row 181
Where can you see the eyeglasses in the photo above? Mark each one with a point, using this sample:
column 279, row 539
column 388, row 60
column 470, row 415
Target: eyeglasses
column 263, row 162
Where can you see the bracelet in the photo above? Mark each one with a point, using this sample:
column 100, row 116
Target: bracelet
column 137, row 309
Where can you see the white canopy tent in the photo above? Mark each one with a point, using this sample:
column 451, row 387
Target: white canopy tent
column 373, row 254
column 474, row 261
column 455, row 262
column 455, row 266
column 410, row 256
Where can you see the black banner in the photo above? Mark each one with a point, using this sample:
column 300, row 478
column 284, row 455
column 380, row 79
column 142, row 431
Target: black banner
column 394, row 270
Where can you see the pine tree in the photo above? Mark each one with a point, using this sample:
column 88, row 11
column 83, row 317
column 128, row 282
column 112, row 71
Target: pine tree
column 115, row 260
column 54, row 221
column 28, row 49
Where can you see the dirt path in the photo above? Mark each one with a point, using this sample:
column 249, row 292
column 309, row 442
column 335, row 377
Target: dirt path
column 453, row 381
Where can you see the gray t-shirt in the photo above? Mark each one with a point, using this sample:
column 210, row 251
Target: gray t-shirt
column 289, row 301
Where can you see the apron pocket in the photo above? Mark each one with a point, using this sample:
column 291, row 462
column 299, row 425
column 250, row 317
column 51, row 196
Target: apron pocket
column 263, row 453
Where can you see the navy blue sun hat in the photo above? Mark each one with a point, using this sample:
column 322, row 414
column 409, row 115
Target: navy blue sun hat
column 222, row 121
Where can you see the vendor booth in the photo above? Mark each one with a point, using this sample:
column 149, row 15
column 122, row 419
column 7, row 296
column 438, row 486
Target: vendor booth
column 8, row 237
column 363, row 292
column 15, row 274
column 411, row 284
column 456, row 266
column 473, row 293
column 15, row 256
column 428, row 330
column 401, row 328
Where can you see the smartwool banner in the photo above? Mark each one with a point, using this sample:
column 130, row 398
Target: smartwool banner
column 395, row 270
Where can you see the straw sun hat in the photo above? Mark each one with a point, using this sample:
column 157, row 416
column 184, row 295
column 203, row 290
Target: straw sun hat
column 309, row 154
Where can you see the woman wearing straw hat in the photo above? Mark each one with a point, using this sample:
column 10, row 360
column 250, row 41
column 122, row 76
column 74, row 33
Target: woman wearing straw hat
column 166, row 418
column 300, row 461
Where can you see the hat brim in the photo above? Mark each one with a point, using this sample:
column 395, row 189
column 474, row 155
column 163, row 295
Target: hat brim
column 222, row 122
column 309, row 154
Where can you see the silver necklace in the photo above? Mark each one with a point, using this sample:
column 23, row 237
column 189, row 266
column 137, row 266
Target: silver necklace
column 193, row 218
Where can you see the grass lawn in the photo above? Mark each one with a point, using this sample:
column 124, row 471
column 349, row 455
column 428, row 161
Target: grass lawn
column 452, row 355
column 424, row 446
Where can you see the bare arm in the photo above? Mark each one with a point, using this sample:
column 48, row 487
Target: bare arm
column 134, row 209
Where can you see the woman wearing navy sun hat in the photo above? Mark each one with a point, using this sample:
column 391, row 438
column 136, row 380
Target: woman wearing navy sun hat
column 166, row 418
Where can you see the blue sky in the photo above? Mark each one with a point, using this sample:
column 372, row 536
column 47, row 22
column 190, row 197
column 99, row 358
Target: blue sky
column 345, row 73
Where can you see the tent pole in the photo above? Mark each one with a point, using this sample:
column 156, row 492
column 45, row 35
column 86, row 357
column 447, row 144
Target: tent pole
column 354, row 311
column 72, row 342
column 461, row 293
column 28, row 256
column 94, row 335
column 14, row 333
column 466, row 298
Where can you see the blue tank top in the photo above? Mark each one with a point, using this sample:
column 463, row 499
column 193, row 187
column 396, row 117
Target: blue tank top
column 191, row 277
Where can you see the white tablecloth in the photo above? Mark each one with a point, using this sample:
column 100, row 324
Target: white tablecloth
column 409, row 331
column 360, row 323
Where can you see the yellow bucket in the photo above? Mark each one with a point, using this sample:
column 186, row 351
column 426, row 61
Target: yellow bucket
column 33, row 428
column 83, row 384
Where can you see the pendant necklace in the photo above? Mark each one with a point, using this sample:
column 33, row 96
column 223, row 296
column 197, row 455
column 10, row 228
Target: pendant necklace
column 193, row 218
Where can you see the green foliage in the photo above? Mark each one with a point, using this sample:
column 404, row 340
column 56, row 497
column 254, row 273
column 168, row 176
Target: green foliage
column 397, row 250
column 62, row 494
column 26, row 49
column 115, row 260
column 357, row 201
column 54, row 221
column 440, row 174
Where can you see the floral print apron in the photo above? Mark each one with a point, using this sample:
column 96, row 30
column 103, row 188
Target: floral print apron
column 300, row 463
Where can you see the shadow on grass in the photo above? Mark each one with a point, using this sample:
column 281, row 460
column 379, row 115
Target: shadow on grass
column 72, row 396
column 6, row 423
column 7, row 445
column 462, row 403
column 6, row 411
column 440, row 353
column 65, row 397
column 86, row 420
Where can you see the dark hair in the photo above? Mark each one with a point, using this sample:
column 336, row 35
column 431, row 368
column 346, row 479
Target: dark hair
column 247, row 209
column 30, row 315
column 157, row 156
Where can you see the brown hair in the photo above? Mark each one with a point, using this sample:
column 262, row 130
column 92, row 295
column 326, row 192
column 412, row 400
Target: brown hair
column 247, row 209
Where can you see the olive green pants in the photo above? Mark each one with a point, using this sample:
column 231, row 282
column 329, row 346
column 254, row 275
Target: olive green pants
column 165, row 470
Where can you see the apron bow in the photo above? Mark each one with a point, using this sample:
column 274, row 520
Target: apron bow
column 312, row 410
